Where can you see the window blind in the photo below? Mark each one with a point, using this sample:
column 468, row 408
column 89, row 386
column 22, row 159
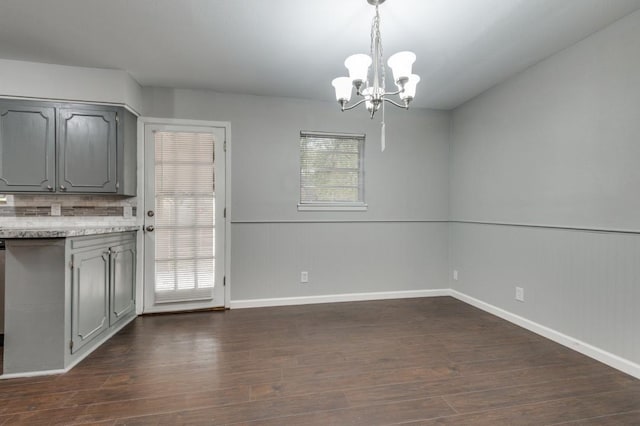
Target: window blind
column 331, row 169
column 185, row 216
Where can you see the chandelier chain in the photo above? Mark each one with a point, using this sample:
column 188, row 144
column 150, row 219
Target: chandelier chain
column 377, row 53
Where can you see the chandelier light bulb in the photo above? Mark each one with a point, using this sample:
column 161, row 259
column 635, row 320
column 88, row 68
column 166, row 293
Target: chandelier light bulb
column 409, row 91
column 358, row 66
column 401, row 64
column 343, row 86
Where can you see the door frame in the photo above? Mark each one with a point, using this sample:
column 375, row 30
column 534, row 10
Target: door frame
column 142, row 122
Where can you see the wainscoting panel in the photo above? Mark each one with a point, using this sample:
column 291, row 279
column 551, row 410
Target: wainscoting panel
column 583, row 284
column 340, row 257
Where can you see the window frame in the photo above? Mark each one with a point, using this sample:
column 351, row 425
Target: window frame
column 359, row 205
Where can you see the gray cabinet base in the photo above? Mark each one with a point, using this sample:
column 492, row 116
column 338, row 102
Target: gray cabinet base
column 39, row 301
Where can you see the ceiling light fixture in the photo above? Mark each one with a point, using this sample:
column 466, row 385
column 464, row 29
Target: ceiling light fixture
column 373, row 91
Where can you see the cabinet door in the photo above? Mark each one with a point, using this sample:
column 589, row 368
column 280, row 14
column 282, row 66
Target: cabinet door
column 27, row 147
column 123, row 278
column 87, row 144
column 90, row 296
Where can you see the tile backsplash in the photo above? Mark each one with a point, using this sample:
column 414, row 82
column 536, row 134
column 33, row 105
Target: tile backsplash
column 35, row 211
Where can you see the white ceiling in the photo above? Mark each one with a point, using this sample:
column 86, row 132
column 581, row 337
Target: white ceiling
column 295, row 48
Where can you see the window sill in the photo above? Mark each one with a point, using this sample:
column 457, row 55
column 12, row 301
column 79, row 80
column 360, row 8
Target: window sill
column 332, row 208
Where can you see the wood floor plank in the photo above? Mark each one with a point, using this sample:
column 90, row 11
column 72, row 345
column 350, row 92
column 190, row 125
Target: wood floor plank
column 165, row 404
column 62, row 383
column 393, row 413
column 306, row 385
column 36, row 403
column 58, row 416
column 213, row 376
column 625, row 419
column 466, row 384
column 248, row 411
column 518, row 395
column 597, row 407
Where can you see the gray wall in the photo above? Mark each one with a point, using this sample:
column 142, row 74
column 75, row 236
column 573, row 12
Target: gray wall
column 400, row 243
column 556, row 146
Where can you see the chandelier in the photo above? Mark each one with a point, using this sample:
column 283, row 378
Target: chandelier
column 373, row 92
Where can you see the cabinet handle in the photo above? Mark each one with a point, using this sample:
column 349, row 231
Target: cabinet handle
column 50, row 188
column 63, row 188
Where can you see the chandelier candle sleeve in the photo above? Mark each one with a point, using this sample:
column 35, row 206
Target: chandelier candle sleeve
column 401, row 64
column 358, row 66
column 409, row 91
column 370, row 85
column 343, row 89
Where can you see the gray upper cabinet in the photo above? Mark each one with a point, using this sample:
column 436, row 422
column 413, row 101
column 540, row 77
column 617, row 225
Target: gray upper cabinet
column 27, row 147
column 87, row 146
column 67, row 148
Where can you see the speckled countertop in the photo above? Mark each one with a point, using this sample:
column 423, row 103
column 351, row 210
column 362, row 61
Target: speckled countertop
column 62, row 232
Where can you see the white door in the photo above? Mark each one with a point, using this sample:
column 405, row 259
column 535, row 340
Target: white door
column 184, row 217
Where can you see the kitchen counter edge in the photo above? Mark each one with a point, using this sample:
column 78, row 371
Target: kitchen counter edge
column 13, row 233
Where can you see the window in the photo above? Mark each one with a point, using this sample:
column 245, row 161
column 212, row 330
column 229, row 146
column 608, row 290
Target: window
column 185, row 216
column 331, row 171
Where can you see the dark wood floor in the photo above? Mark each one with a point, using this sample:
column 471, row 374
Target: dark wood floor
column 414, row 361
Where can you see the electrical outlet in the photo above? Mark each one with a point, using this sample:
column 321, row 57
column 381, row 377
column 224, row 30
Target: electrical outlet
column 455, row 275
column 520, row 294
column 56, row 209
column 304, row 277
column 127, row 212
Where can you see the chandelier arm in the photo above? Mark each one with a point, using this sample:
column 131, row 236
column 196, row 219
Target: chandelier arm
column 405, row 106
column 347, row 108
column 397, row 92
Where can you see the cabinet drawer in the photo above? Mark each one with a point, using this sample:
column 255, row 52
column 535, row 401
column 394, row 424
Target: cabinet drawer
column 102, row 240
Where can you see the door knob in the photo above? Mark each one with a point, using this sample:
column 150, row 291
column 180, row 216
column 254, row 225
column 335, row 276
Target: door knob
column 150, row 228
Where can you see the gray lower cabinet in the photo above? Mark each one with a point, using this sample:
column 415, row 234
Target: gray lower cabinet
column 67, row 148
column 123, row 278
column 64, row 297
column 90, row 296
column 102, row 284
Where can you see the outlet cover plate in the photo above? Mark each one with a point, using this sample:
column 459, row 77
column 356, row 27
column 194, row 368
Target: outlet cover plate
column 520, row 294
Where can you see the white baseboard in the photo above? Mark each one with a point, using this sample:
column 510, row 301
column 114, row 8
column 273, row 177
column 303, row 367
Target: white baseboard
column 332, row 298
column 591, row 351
column 33, row 374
